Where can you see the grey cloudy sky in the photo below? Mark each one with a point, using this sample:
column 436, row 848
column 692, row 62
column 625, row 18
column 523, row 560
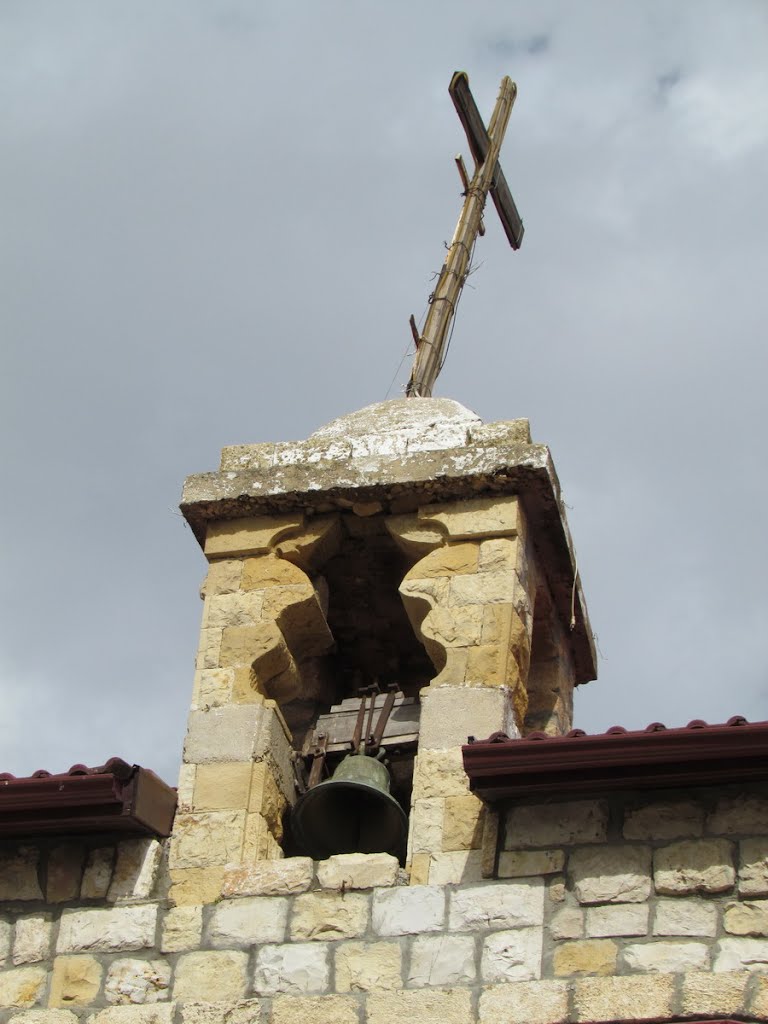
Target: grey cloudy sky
column 217, row 218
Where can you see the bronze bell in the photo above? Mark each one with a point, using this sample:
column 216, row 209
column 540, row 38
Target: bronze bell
column 353, row 812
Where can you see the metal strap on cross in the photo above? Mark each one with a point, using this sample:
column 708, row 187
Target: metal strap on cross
column 485, row 145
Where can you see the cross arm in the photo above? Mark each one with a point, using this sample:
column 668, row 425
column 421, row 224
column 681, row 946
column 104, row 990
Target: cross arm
column 479, row 143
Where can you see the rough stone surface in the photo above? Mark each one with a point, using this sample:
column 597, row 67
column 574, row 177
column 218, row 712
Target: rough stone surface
column 368, row 967
column 323, row 1009
column 205, row 838
column 669, row 820
column 75, row 980
column 32, row 941
column 499, row 905
column 591, row 956
column 567, row 923
column 211, row 976
column 580, row 821
column 237, row 1011
column 741, row 814
column 97, row 874
column 222, row 733
column 155, row 1013
column 512, row 955
column 520, row 864
column 320, row 916
column 753, row 867
column 741, row 955
column 44, row 1017
column 620, row 919
column 541, row 1002
column 21, row 986
column 5, row 941
column 182, row 928
column 450, row 714
column 442, row 961
column 685, row 917
column 611, row 874
column 667, row 957
column 358, row 871
column 269, row 878
column 248, row 921
column 439, row 773
column 137, row 981
column 747, row 918
column 107, row 931
column 18, row 875
column 419, row 908
column 427, row 1006
column 63, row 876
column 694, row 866
column 704, row 993
column 297, row 969
column 136, row 870
column 455, row 867
column 632, row 998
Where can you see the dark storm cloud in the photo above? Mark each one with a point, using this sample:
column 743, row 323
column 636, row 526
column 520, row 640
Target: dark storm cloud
column 217, row 219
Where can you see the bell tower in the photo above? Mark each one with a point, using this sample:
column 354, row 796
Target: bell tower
column 409, row 546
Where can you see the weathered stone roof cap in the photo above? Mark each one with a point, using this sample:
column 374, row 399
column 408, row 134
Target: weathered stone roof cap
column 402, row 455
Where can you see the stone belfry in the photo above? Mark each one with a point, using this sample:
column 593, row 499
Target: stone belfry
column 408, row 543
column 406, row 549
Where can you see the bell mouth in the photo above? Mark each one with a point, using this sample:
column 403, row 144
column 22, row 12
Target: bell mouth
column 353, row 812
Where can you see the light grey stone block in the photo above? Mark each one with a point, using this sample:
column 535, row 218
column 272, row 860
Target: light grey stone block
column 611, row 874
column 442, row 960
column 247, row 921
column 107, row 931
column 408, row 911
column 512, row 955
column 297, row 969
column 498, row 905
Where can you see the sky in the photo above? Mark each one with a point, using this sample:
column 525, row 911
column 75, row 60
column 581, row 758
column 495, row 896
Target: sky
column 217, row 218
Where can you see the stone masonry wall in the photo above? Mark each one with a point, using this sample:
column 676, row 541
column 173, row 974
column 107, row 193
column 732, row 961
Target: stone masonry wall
column 629, row 908
column 470, row 596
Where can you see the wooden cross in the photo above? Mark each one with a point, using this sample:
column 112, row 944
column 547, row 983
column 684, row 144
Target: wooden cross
column 485, row 145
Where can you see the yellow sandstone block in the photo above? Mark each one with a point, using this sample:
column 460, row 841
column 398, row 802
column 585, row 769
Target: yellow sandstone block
column 249, row 536
column 463, row 823
column 270, row 571
column 195, row 886
column 75, row 981
column 476, row 518
column 447, row 561
column 592, row 956
column 266, row 798
column 222, row 786
column 259, row 843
